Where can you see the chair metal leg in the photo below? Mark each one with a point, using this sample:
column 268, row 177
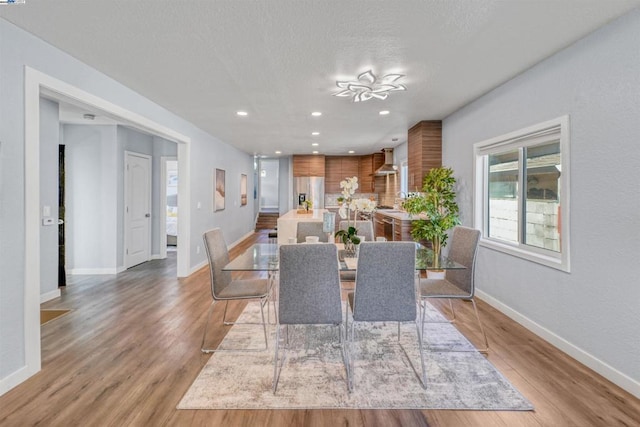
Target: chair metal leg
column 453, row 312
column 263, row 301
column 276, row 370
column 206, row 325
column 421, row 348
column 484, row 334
column 224, row 315
column 485, row 350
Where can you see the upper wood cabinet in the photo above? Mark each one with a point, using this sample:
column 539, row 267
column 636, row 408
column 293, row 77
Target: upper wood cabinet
column 308, row 165
column 337, row 169
column 365, row 174
column 424, row 151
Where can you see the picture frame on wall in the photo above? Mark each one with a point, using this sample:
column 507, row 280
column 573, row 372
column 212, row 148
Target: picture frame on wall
column 243, row 189
column 219, row 190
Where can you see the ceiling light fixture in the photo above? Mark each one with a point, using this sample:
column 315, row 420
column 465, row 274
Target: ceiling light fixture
column 384, row 112
column 315, row 144
column 369, row 86
column 242, row 113
column 351, row 151
column 315, row 133
column 314, row 152
column 278, row 152
column 316, row 114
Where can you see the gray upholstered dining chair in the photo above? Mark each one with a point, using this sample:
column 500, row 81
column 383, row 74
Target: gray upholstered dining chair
column 309, row 294
column 457, row 284
column 310, row 228
column 225, row 288
column 385, row 292
column 365, row 228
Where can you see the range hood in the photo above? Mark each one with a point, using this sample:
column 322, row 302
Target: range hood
column 388, row 167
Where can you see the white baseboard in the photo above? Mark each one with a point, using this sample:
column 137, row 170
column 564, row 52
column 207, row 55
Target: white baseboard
column 115, row 270
column 198, row 267
column 240, row 240
column 157, row 256
column 49, row 295
column 15, row 378
column 620, row 379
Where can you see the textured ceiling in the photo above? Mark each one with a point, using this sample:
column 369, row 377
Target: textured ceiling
column 279, row 59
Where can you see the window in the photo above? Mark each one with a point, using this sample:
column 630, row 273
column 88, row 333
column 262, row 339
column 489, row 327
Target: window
column 522, row 193
column 404, row 177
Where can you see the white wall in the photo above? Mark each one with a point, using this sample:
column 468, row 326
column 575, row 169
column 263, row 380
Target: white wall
column 91, row 157
column 19, row 49
column 49, row 141
column 594, row 311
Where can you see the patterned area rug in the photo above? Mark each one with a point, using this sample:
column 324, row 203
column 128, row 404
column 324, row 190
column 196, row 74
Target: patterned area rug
column 385, row 375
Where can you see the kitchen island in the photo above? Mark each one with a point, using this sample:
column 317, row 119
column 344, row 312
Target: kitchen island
column 288, row 223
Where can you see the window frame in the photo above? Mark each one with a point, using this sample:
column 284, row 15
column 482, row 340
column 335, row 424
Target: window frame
column 538, row 134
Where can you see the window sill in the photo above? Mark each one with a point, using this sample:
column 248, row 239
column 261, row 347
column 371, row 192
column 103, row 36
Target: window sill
column 559, row 262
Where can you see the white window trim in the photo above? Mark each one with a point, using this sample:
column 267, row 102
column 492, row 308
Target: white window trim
column 561, row 260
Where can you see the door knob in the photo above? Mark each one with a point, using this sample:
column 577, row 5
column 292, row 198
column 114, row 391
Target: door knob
column 147, row 215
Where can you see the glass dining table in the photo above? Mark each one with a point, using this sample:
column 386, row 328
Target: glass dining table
column 264, row 257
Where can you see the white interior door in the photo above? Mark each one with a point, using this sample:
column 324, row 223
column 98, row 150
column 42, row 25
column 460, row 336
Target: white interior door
column 137, row 209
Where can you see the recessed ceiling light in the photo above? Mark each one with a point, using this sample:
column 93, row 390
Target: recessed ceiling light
column 242, row 113
column 314, row 152
column 315, row 133
column 351, row 151
column 278, row 152
column 316, row 114
column 384, row 112
column 315, row 144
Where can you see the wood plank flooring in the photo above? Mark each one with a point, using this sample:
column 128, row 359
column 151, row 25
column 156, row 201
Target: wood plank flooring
column 130, row 349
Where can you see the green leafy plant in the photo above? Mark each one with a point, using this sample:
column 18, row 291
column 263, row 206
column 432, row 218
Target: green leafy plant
column 307, row 204
column 437, row 203
column 348, row 235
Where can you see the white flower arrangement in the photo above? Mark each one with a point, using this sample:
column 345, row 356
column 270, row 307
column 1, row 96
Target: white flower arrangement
column 349, row 187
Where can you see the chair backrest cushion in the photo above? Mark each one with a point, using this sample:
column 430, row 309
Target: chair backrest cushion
column 310, row 228
column 463, row 249
column 385, row 282
column 218, row 256
column 365, row 228
column 309, row 291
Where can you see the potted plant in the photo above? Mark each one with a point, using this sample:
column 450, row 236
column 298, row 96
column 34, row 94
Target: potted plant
column 437, row 204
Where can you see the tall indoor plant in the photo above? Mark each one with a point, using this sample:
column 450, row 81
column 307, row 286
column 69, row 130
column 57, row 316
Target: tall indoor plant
column 437, row 203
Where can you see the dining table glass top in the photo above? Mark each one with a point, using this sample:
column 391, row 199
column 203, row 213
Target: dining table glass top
column 264, row 257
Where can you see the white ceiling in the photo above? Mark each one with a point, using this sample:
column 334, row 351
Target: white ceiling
column 279, row 59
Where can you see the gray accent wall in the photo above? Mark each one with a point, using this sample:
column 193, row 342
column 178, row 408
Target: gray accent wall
column 19, row 49
column 594, row 309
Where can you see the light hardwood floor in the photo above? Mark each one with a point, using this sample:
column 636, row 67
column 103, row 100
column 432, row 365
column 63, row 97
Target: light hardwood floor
column 130, row 349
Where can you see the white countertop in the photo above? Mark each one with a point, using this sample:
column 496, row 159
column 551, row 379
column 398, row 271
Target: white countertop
column 288, row 223
column 314, row 214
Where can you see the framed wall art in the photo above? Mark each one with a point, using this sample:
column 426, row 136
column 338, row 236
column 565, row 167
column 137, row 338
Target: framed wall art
column 243, row 189
column 219, row 193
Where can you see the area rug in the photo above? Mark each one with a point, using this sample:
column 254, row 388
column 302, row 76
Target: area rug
column 385, row 375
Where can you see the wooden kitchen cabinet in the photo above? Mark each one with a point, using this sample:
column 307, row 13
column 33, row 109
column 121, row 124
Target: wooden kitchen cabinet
column 308, row 165
column 401, row 230
column 378, row 225
column 424, row 146
column 365, row 173
column 338, row 168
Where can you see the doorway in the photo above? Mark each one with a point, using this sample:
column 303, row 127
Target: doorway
column 170, row 202
column 269, row 178
column 137, row 216
column 38, row 84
